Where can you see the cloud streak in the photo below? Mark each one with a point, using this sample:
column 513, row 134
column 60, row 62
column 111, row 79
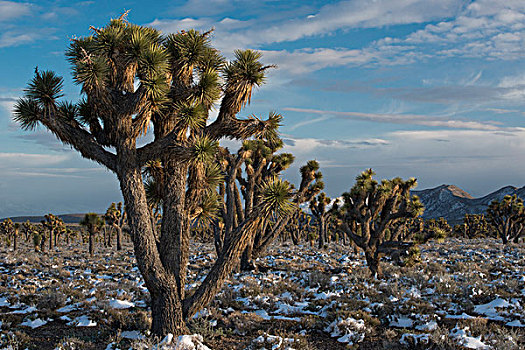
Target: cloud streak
column 410, row 119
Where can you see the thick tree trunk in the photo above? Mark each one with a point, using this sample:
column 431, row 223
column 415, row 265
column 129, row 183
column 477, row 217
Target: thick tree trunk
column 372, row 260
column 247, row 263
column 175, row 228
column 15, row 235
column 163, row 287
column 166, row 312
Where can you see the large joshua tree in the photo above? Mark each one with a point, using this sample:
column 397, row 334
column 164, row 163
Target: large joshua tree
column 132, row 77
column 369, row 211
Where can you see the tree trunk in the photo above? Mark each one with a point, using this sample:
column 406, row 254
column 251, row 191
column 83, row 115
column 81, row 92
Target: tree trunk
column 372, row 260
column 247, row 263
column 91, row 248
column 50, row 239
column 119, row 234
column 321, row 233
column 56, row 239
column 15, row 235
column 166, row 312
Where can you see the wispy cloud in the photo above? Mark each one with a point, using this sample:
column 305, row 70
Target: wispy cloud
column 412, row 119
column 10, row 10
column 329, row 18
column 27, row 159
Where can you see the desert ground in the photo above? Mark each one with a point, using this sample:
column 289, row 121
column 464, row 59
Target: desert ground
column 463, row 294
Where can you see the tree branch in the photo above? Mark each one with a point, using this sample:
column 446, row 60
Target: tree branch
column 168, row 145
column 72, row 134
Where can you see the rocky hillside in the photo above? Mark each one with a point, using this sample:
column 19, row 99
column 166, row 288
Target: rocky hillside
column 453, row 203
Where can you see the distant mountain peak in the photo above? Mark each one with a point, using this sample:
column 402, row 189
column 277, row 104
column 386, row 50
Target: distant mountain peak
column 452, row 203
column 456, row 191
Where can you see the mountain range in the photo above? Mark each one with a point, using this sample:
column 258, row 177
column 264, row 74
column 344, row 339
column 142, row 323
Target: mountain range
column 447, row 201
column 452, row 203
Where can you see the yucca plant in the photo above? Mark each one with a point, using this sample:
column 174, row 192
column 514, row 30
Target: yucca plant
column 370, row 210
column 134, row 79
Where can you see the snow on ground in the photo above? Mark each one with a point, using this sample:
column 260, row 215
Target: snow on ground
column 470, row 292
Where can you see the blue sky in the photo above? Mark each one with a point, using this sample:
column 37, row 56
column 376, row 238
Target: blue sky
column 428, row 88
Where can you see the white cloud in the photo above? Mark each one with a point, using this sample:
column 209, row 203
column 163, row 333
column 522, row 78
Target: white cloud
column 11, row 10
column 17, row 37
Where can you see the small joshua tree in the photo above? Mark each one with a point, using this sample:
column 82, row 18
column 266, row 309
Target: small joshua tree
column 321, row 213
column 93, row 223
column 473, row 226
column 508, row 218
column 55, row 226
column 9, row 229
column 115, row 217
column 369, row 211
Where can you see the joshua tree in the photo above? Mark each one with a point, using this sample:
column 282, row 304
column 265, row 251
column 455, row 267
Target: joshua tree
column 131, row 78
column 369, row 211
column 508, row 218
column 474, row 225
column 321, row 213
column 240, row 191
column 27, row 229
column 55, row 226
column 10, row 230
column 115, row 217
column 93, row 223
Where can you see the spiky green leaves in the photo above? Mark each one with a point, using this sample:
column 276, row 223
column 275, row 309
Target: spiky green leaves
column 207, row 210
column 92, row 222
column 246, row 68
column 188, row 50
column 45, row 88
column 309, row 170
column 192, row 116
column 275, row 198
column 204, row 150
column 27, row 113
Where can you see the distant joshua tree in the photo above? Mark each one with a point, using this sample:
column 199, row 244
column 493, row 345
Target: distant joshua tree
column 93, row 223
column 369, row 211
column 55, row 226
column 10, row 230
column 508, row 218
column 321, row 213
column 473, row 226
column 115, row 217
